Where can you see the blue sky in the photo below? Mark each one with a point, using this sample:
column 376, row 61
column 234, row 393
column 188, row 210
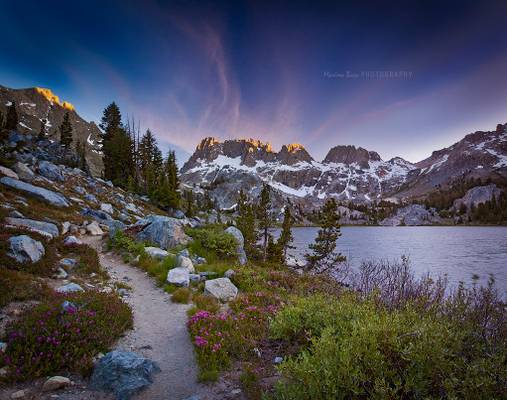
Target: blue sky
column 284, row 72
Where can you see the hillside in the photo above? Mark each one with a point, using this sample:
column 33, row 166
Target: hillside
column 37, row 104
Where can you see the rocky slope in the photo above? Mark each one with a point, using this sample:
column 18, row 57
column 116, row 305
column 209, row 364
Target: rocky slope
column 37, row 104
column 347, row 173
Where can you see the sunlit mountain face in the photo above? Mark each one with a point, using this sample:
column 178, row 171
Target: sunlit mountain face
column 400, row 79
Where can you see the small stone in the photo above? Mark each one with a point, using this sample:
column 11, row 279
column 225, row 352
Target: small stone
column 71, row 240
column 156, row 252
column 24, row 172
column 106, row 207
column 55, row 383
column 69, row 288
column 69, row 306
column 16, row 214
column 184, row 253
column 229, row 273
column 3, row 371
column 61, row 274
column 185, row 262
column 235, row 392
column 20, row 395
column 123, row 292
column 178, row 277
column 8, row 172
column 68, row 263
column 3, row 347
column 94, row 229
column 65, row 227
column 278, row 360
column 194, row 277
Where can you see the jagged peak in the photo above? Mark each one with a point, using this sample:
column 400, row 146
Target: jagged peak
column 207, row 142
column 295, row 147
column 53, row 98
column 256, row 143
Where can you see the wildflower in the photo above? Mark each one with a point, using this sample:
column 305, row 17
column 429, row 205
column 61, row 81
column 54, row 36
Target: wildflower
column 200, row 341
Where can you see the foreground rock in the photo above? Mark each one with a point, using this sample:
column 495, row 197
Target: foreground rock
column 238, row 236
column 179, row 276
column 48, row 196
column 221, row 288
column 24, row 249
column 166, row 232
column 156, row 252
column 55, row 383
column 185, row 262
column 44, row 228
column 51, row 171
column 123, row 373
column 70, row 288
column 8, row 172
column 24, row 172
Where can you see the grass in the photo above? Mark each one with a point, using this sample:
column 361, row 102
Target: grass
column 20, row 286
column 181, row 295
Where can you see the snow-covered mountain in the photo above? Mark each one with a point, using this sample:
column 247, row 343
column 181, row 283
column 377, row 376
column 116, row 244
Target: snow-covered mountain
column 37, row 104
column 347, row 173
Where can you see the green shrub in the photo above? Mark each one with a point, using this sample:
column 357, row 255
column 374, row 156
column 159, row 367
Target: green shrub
column 203, row 302
column 357, row 350
column 181, row 295
column 49, row 339
column 212, row 243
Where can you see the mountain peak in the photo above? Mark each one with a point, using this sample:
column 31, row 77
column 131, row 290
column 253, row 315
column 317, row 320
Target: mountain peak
column 53, row 98
column 344, row 154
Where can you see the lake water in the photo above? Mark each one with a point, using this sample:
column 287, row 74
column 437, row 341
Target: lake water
column 458, row 252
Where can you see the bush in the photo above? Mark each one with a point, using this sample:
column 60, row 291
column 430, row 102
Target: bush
column 212, row 240
column 19, row 286
column 181, row 295
column 355, row 349
column 49, row 339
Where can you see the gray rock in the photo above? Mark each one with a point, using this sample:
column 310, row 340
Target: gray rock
column 24, row 172
column 65, row 227
column 156, row 252
column 94, row 229
column 229, row 273
column 108, row 208
column 68, row 263
column 24, row 249
column 53, row 198
column 16, row 214
column 185, row 262
column 221, row 288
column 68, row 306
column 123, row 373
column 91, row 198
column 71, row 241
column 3, row 347
column 44, row 228
column 80, row 190
column 194, row 277
column 97, row 215
column 207, row 274
column 238, row 236
column 184, row 253
column 8, row 172
column 178, row 277
column 199, row 260
column 278, row 360
column 55, row 383
column 476, row 196
column 166, row 232
column 69, row 288
column 178, row 214
column 24, row 394
column 413, row 215
column 51, row 171
column 61, row 273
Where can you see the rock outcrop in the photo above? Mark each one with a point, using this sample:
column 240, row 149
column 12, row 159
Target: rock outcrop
column 166, row 232
column 50, row 197
column 24, row 249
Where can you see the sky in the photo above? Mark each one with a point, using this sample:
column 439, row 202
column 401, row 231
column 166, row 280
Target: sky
column 402, row 78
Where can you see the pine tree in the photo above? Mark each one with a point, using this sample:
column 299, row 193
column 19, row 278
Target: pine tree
column 171, row 171
column 11, row 120
column 42, row 131
column 81, row 155
column 286, row 238
column 110, row 125
column 246, row 223
column 66, row 131
column 2, row 120
column 324, row 256
column 274, row 251
column 265, row 217
column 189, row 203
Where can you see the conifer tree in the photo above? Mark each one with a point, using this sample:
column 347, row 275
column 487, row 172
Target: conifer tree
column 11, row 120
column 246, row 223
column 66, row 131
column 2, row 120
column 265, row 217
column 324, row 256
column 171, row 172
column 189, row 203
column 42, row 131
column 286, row 238
column 110, row 125
column 81, row 155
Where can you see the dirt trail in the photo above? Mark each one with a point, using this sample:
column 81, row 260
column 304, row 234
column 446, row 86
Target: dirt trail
column 159, row 331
